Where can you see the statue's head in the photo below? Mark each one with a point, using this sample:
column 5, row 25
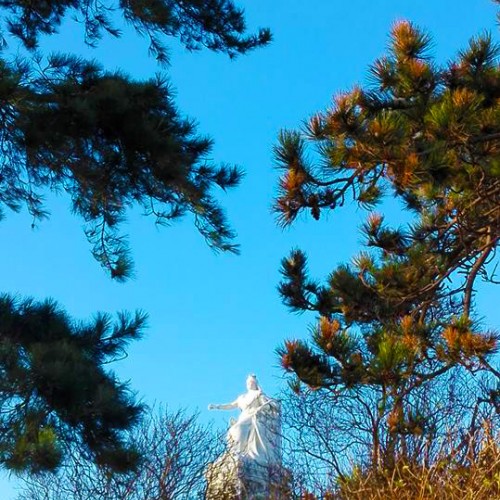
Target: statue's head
column 252, row 382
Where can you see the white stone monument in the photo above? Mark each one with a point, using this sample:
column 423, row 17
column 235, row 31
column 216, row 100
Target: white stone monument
column 251, row 467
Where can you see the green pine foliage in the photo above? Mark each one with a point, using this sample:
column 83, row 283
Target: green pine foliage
column 401, row 315
column 218, row 25
column 110, row 143
column 54, row 382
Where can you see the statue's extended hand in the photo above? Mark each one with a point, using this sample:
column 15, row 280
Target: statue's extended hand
column 212, row 407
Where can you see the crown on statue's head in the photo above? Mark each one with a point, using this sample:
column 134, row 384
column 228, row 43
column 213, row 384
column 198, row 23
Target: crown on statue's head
column 252, row 377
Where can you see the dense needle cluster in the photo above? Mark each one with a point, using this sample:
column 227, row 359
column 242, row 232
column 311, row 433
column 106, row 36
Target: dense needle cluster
column 55, row 390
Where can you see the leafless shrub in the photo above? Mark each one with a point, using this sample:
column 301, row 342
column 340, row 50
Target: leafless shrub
column 329, row 437
column 176, row 451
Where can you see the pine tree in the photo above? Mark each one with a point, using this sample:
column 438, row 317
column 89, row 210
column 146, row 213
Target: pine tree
column 402, row 314
column 110, row 143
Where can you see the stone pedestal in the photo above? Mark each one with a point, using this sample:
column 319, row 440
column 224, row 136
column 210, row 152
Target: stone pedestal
column 241, row 478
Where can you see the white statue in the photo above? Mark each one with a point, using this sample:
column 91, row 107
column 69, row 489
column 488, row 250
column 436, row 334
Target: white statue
column 256, row 433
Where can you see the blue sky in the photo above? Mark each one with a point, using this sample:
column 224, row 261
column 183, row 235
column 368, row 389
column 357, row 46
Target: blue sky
column 215, row 318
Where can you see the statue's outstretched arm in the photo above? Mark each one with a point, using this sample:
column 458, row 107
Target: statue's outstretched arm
column 226, row 406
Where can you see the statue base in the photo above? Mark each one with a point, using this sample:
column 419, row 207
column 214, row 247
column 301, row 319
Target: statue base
column 233, row 477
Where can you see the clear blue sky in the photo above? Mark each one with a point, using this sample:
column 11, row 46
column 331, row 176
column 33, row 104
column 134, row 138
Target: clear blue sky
column 215, row 318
